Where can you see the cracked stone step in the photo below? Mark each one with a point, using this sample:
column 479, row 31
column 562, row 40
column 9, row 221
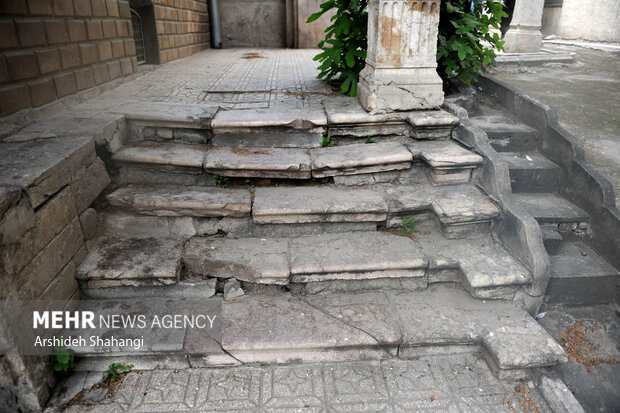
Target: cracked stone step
column 294, row 205
column 256, row 260
column 355, row 256
column 450, row 162
column 551, row 209
column 293, row 163
column 506, row 134
column 133, row 262
column 167, row 114
column 173, row 200
column 187, row 158
column 359, row 159
column 579, row 276
column 461, row 209
column 531, row 172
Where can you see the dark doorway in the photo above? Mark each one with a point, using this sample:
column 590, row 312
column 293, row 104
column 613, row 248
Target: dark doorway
column 144, row 31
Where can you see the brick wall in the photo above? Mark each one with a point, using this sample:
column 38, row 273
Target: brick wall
column 182, row 28
column 50, row 49
column 53, row 48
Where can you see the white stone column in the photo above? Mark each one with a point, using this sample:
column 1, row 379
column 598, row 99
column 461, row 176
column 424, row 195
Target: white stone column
column 401, row 63
column 524, row 34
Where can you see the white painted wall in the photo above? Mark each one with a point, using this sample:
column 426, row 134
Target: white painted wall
column 596, row 20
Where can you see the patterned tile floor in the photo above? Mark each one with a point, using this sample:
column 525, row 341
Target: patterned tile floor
column 456, row 383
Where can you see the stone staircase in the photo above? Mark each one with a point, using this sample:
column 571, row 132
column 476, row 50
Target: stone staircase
column 578, row 275
column 320, row 238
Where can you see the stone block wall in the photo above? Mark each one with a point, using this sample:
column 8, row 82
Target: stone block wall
column 50, row 49
column 182, row 28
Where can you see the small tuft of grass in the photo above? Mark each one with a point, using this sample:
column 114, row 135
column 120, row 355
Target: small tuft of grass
column 327, row 142
column 220, row 180
column 368, row 139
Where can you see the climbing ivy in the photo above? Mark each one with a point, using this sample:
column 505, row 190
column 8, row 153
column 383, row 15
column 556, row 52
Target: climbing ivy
column 465, row 43
column 344, row 46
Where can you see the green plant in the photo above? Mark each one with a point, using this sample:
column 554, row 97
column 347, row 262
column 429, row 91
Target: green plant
column 220, row 180
column 464, row 36
column 249, row 182
column 115, row 369
column 368, row 139
column 408, row 225
column 62, row 360
column 344, row 47
column 326, row 141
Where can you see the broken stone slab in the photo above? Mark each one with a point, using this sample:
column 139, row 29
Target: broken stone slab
column 359, row 159
column 355, row 256
column 449, row 161
column 167, row 113
column 283, row 328
column 248, row 119
column 189, row 157
column 293, row 163
column 184, row 289
column 115, row 261
column 174, row 201
column 458, row 205
column 268, row 139
column 232, row 289
column 294, row 205
column 257, row 260
column 42, row 167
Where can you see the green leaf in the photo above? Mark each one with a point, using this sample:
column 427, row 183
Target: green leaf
column 315, row 16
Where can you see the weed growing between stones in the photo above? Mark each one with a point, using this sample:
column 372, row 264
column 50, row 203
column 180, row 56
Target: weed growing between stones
column 408, row 226
column 220, row 180
column 115, row 370
column 327, row 142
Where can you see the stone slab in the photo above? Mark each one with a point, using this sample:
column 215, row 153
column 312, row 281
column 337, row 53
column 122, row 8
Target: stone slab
column 259, row 162
column 42, row 167
column 172, row 200
column 115, row 261
column 355, row 255
column 444, row 154
column 344, row 110
column 256, row 260
column 550, row 208
column 268, row 118
column 294, row 205
column 167, row 113
column 359, row 158
column 431, row 118
column 452, row 205
column 164, row 154
column 268, row 139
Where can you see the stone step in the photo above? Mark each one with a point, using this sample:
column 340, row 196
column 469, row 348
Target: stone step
column 506, row 134
column 531, row 172
column 579, row 276
column 553, row 209
column 291, row 163
column 285, row 328
column 131, row 262
column 358, row 159
column 457, row 207
column 180, row 157
column 450, row 162
column 552, row 239
column 172, row 200
column 167, row 114
column 359, row 260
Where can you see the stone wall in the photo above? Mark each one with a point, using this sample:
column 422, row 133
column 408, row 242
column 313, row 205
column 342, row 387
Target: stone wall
column 595, row 20
column 182, row 28
column 50, row 49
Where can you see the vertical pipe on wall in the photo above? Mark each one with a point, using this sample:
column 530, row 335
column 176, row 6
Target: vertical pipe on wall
column 215, row 26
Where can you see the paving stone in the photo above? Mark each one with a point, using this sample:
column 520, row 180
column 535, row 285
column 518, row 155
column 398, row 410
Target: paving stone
column 186, row 156
column 550, row 208
column 355, row 256
column 359, row 158
column 232, row 289
column 247, row 259
column 115, row 261
column 262, row 118
column 171, row 200
column 259, row 162
column 294, row 205
column 167, row 113
column 42, row 167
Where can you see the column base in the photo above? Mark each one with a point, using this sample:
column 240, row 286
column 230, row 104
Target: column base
column 522, row 40
column 386, row 90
